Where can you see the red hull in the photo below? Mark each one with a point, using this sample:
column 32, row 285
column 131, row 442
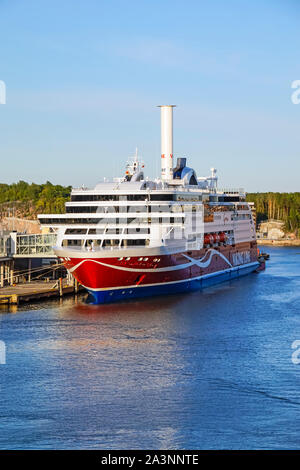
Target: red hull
column 101, row 273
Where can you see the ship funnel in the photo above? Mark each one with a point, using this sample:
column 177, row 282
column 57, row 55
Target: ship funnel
column 166, row 113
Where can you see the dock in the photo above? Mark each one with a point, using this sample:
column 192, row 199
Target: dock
column 37, row 290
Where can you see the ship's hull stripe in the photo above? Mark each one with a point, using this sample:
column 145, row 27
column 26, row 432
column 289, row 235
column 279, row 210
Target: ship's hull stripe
column 192, row 262
column 197, row 278
column 207, row 263
column 187, row 285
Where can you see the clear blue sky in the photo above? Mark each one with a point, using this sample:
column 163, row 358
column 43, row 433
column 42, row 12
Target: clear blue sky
column 84, row 77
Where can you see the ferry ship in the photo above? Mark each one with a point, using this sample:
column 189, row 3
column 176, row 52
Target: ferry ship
column 135, row 237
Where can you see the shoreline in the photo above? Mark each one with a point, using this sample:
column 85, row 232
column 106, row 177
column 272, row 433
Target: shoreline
column 278, row 242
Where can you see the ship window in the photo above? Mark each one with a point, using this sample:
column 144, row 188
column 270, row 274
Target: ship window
column 72, row 242
column 136, row 197
column 96, row 231
column 82, row 209
column 136, row 242
column 94, row 197
column 133, row 230
column 133, row 208
column 114, row 231
column 110, row 243
column 72, row 231
column 161, row 197
column 231, row 198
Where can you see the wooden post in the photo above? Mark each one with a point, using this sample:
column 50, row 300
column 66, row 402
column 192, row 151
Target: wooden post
column 11, row 277
column 29, row 270
column 8, row 273
column 75, row 286
column 2, row 275
column 15, row 299
column 60, row 287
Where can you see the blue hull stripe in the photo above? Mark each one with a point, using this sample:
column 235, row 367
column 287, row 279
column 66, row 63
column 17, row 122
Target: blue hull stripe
column 114, row 295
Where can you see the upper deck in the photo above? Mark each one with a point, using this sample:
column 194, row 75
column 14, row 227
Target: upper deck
column 135, row 210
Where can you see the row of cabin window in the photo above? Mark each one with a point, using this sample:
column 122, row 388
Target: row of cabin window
column 125, row 209
column 117, row 220
column 149, row 209
column 127, row 197
column 240, row 216
column 107, row 243
column 153, row 197
column 93, row 231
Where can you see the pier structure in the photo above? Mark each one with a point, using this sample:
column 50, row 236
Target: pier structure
column 6, row 260
column 29, row 269
column 23, row 256
column 37, row 290
column 6, row 271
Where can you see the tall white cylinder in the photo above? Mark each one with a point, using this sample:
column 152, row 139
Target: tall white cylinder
column 166, row 113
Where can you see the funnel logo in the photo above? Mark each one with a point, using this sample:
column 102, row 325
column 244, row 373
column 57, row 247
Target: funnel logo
column 2, row 353
column 2, row 92
column 295, row 97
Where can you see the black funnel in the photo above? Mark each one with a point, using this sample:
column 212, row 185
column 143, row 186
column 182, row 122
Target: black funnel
column 181, row 163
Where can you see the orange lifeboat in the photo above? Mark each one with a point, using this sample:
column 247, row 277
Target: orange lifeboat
column 222, row 237
column 208, row 239
column 216, row 237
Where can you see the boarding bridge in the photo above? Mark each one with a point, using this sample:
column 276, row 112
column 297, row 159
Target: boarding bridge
column 16, row 245
column 33, row 246
column 5, row 243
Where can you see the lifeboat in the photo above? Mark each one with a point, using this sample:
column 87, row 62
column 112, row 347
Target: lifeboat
column 216, row 237
column 213, row 238
column 222, row 237
column 208, row 239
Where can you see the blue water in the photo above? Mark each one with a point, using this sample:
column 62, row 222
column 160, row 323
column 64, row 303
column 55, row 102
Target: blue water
column 204, row 370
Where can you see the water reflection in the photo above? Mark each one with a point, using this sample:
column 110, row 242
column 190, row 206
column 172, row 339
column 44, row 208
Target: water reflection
column 201, row 370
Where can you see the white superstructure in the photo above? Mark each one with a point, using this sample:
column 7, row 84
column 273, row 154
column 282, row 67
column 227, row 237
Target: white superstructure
column 178, row 209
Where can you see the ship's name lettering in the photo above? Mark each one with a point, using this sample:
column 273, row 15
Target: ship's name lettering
column 241, row 258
